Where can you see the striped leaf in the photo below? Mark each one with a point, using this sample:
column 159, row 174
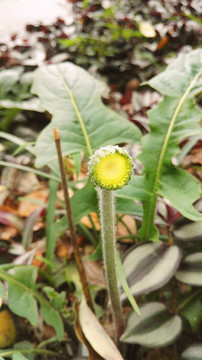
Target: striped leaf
column 149, row 266
column 193, row 353
column 155, row 328
column 188, row 231
column 190, row 271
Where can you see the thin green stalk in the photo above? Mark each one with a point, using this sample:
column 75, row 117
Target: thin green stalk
column 107, row 218
column 30, row 351
column 29, row 169
column 125, row 286
column 17, row 140
column 50, row 233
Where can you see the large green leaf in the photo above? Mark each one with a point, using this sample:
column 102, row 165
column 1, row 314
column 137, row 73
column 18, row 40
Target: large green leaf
column 190, row 308
column 149, row 266
column 22, row 296
column 73, row 97
column 155, row 328
column 174, row 119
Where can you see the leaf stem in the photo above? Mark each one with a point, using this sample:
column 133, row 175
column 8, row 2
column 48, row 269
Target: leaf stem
column 78, row 260
column 107, row 218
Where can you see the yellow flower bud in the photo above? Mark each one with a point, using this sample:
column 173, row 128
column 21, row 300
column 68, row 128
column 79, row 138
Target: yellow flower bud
column 110, row 167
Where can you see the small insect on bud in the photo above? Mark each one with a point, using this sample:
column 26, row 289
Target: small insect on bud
column 110, row 167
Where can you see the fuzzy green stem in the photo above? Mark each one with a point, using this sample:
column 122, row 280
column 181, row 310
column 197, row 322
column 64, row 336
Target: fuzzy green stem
column 107, row 219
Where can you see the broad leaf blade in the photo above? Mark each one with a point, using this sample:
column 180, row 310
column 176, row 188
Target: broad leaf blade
column 184, row 67
column 174, row 119
column 73, row 97
column 149, row 266
column 52, row 317
column 30, row 104
column 22, row 294
column 20, row 297
column 155, row 328
column 190, row 308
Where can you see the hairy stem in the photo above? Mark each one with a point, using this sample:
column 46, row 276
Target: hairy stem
column 107, row 217
column 78, row 260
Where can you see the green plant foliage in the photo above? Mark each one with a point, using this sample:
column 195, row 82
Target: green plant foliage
column 73, row 97
column 174, row 119
column 25, row 350
column 149, row 266
column 193, row 353
column 155, row 328
column 190, row 271
column 22, row 296
column 19, row 356
column 124, row 284
column 8, row 78
column 24, row 345
column 15, row 91
column 50, row 234
column 84, row 201
column 190, row 308
column 57, row 300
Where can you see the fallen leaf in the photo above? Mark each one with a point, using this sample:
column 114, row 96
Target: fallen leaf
column 8, row 232
column 23, row 182
column 64, row 249
column 94, row 273
column 162, row 42
column 196, row 156
column 4, row 192
column 128, row 229
column 95, row 334
column 92, row 354
column 26, row 206
column 37, row 262
column 85, row 221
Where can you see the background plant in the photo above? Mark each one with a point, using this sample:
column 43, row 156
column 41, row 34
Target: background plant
column 174, row 295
